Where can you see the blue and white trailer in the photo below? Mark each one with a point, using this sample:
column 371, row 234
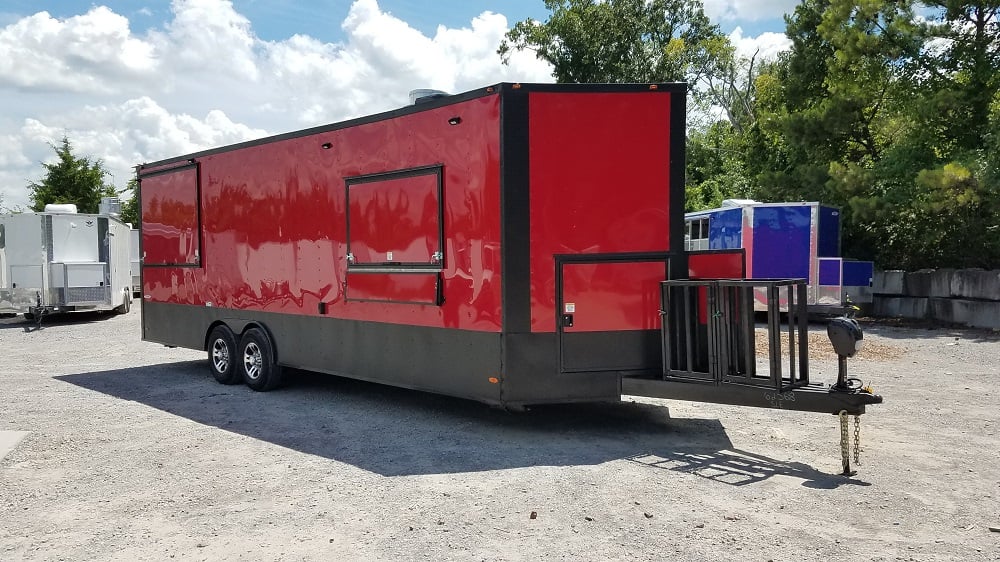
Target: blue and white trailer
column 785, row 241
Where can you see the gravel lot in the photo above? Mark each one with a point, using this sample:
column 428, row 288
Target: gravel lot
column 133, row 452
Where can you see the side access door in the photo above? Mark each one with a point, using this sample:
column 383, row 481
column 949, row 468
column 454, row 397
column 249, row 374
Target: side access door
column 607, row 308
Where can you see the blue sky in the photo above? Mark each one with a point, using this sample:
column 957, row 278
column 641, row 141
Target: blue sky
column 280, row 19
column 132, row 81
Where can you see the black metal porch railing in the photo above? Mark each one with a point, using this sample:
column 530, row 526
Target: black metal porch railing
column 710, row 334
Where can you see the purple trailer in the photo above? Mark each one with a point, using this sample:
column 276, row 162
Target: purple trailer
column 786, row 241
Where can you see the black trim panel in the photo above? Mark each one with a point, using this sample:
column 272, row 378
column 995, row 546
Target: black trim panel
column 446, row 361
column 677, row 128
column 515, row 217
column 157, row 172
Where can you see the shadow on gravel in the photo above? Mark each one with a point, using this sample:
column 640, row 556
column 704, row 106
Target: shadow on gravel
column 394, row 432
column 67, row 319
column 740, row 468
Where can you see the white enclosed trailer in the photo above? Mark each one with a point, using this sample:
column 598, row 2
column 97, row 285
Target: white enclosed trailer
column 61, row 261
column 135, row 263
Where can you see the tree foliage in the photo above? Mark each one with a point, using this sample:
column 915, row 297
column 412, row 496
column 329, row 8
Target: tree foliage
column 881, row 112
column 71, row 179
column 889, row 110
column 130, row 207
column 620, row 40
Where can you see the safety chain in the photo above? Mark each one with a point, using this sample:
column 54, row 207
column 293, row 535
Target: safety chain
column 857, row 439
column 845, row 442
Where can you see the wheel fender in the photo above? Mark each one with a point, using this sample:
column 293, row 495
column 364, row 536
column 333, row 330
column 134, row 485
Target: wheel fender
column 267, row 333
column 212, row 326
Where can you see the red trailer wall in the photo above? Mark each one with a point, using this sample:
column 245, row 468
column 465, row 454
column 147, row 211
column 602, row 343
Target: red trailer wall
column 274, row 230
column 600, row 183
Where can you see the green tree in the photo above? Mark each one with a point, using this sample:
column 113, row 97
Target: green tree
column 716, row 167
column 881, row 111
column 619, row 40
column 71, row 179
column 130, row 207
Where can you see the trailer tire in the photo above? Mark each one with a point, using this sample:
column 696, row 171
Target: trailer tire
column 222, row 359
column 125, row 306
column 257, row 365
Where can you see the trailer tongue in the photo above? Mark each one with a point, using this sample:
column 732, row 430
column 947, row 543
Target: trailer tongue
column 710, row 351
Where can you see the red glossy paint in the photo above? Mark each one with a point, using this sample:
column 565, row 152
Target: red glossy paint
column 170, row 232
column 720, row 264
column 393, row 287
column 593, row 292
column 395, row 221
column 600, row 183
column 274, row 228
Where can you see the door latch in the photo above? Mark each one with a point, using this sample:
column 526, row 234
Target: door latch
column 567, row 320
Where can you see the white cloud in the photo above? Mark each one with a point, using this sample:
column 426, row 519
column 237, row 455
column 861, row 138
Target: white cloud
column 766, row 46
column 748, row 10
column 204, row 79
column 94, row 53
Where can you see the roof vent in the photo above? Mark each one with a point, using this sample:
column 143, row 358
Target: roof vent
column 63, row 208
column 110, row 206
column 424, row 95
column 738, row 202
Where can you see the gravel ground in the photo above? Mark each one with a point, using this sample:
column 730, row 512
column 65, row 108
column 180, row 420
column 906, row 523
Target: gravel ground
column 133, row 452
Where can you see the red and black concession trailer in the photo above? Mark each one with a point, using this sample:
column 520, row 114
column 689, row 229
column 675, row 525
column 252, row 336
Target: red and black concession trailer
column 517, row 244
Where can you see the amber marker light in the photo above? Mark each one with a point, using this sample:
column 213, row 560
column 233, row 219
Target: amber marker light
column 516, row 86
column 654, row 87
column 494, row 380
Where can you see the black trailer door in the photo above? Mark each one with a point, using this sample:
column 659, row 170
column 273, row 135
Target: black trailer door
column 607, row 308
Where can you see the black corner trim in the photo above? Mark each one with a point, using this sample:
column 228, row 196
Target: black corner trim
column 515, row 226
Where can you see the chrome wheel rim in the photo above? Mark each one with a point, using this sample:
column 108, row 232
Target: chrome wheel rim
column 220, row 356
column 252, row 360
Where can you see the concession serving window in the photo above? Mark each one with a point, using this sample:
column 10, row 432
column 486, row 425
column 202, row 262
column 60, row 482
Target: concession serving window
column 170, row 220
column 395, row 236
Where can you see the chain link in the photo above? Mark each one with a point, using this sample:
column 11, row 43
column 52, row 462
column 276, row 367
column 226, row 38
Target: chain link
column 857, row 439
column 845, row 440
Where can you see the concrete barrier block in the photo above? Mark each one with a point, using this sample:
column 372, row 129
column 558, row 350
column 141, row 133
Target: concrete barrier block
column 917, row 283
column 928, row 283
column 901, row 307
column 978, row 314
column 941, row 283
column 976, row 284
column 946, row 310
column 888, row 282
